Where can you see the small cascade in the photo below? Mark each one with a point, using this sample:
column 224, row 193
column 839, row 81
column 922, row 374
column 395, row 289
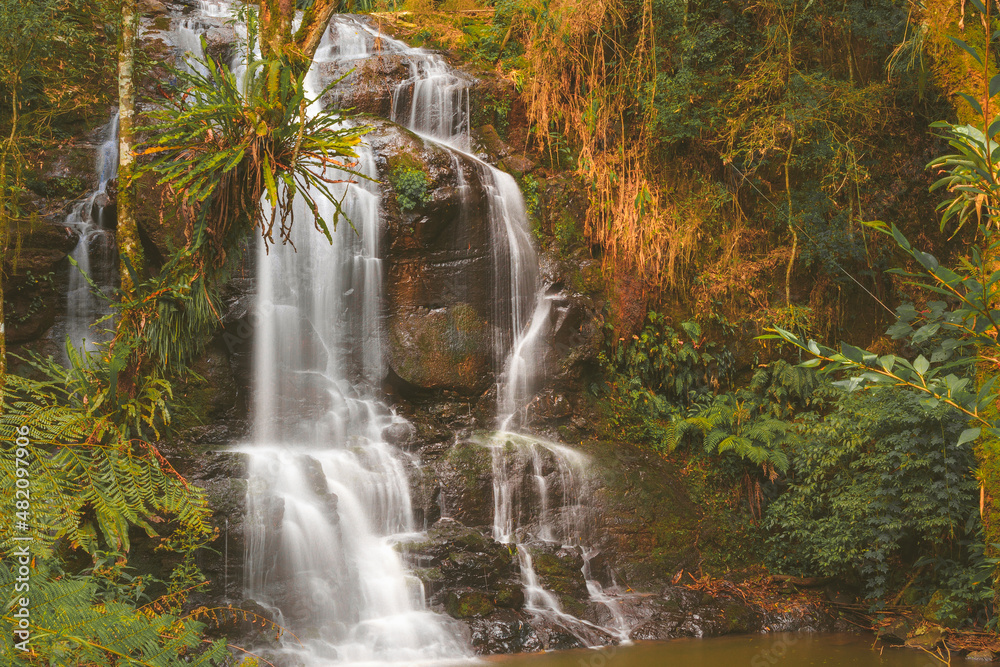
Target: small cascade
column 187, row 39
column 434, row 101
column 219, row 9
column 96, row 253
column 540, row 497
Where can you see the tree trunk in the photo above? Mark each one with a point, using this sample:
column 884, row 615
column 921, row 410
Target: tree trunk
column 277, row 40
column 129, row 246
column 7, row 224
column 791, row 228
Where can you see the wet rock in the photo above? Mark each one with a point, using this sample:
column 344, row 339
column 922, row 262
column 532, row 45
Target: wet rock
column 33, row 277
column 316, row 479
column 896, row 632
column 488, row 141
column 466, row 484
column 560, row 571
column 555, row 637
column 980, row 656
column 939, row 610
column 518, row 164
column 369, row 88
column 468, row 603
column 926, row 637
column 438, row 262
column 681, row 612
column 505, row 631
column 464, row 556
column 510, row 596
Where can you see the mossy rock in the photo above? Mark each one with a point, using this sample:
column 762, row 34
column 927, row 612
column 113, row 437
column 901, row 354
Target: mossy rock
column 468, row 604
column 940, row 610
column 510, row 596
column 441, row 348
column 740, row 619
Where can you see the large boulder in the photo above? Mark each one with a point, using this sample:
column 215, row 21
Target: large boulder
column 438, row 265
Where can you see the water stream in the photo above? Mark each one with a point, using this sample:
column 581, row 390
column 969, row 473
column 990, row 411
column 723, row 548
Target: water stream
column 96, row 253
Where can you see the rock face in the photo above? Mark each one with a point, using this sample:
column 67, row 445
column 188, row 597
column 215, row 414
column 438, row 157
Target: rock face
column 437, row 265
column 34, row 275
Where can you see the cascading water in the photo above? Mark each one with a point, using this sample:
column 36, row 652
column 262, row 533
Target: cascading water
column 434, row 103
column 95, row 253
column 328, row 495
column 540, row 497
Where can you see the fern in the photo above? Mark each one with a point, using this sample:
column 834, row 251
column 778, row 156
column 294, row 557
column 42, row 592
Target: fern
column 73, row 624
column 90, row 479
column 740, row 427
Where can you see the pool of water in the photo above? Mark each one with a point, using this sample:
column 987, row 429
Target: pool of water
column 830, row 650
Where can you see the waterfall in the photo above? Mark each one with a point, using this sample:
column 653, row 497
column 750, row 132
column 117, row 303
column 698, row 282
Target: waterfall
column 541, row 493
column 322, row 475
column 434, row 103
column 96, row 253
column 328, row 496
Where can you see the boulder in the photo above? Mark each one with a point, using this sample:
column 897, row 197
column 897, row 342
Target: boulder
column 438, row 267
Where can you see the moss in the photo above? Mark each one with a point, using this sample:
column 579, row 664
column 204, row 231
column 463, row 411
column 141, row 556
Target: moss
column 572, row 605
column 511, row 597
column 739, row 619
column 468, row 604
column 441, row 348
column 589, row 279
column 473, row 463
column 404, row 160
column 427, row 575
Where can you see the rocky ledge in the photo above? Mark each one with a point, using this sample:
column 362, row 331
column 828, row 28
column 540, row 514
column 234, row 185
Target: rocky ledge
column 478, row 581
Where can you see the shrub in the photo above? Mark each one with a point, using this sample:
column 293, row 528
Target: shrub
column 411, row 186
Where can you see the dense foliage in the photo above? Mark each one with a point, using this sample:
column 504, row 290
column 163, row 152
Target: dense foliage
column 876, row 486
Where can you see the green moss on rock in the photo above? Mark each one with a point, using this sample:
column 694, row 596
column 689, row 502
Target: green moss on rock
column 468, row 604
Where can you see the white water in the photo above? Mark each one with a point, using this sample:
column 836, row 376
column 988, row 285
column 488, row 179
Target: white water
column 541, row 493
column 95, row 253
column 187, row 38
column 319, row 452
column 434, row 103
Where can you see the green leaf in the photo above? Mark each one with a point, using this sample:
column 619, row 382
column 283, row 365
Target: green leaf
column 272, row 190
column 927, row 260
column 968, row 49
column 857, row 355
column 921, row 365
column 973, row 102
column 968, row 435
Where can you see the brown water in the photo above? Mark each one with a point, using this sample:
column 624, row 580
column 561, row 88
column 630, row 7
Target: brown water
column 830, row 650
